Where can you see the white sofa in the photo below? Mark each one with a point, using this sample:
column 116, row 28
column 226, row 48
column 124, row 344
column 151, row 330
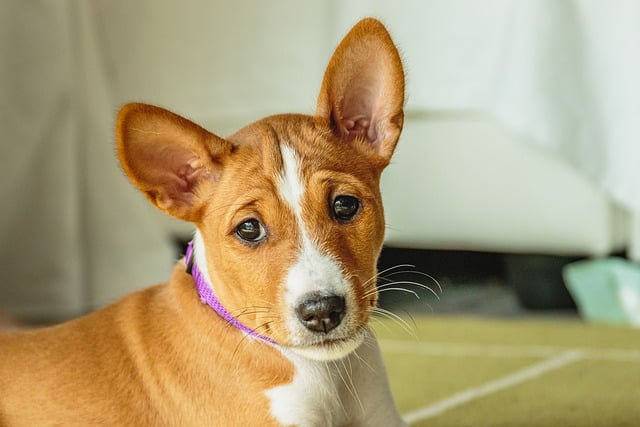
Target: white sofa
column 463, row 181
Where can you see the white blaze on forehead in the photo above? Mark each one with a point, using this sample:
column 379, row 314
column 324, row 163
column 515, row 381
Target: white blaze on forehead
column 290, row 184
column 314, row 269
column 313, row 272
column 303, row 276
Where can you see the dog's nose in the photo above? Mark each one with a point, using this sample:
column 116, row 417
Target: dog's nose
column 321, row 313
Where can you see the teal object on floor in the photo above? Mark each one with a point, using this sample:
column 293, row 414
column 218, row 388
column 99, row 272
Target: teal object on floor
column 605, row 290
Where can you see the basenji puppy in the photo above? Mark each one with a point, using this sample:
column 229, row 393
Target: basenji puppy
column 264, row 322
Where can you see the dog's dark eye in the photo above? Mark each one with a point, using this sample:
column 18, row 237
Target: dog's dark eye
column 251, row 231
column 345, row 207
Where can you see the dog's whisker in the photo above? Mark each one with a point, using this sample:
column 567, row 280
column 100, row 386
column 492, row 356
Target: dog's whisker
column 347, row 385
column 265, row 326
column 376, row 276
column 351, row 387
column 393, row 286
column 245, row 339
column 395, row 270
column 251, row 310
column 363, row 361
column 394, row 317
column 409, row 291
column 387, row 270
column 380, row 273
column 329, row 373
column 408, row 282
column 420, row 273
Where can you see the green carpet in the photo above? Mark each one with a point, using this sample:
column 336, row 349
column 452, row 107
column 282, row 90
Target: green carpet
column 457, row 371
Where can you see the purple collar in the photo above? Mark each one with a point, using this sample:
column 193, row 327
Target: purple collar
column 208, row 297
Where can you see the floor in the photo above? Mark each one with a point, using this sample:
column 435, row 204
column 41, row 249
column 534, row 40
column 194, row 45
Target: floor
column 458, row 371
column 471, row 354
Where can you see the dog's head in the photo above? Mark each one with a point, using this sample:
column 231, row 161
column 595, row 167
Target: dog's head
column 288, row 209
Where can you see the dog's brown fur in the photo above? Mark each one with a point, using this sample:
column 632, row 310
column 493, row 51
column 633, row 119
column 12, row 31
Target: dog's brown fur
column 145, row 361
column 160, row 356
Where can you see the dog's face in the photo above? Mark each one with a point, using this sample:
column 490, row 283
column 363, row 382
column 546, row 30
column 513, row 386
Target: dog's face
column 288, row 209
column 296, row 219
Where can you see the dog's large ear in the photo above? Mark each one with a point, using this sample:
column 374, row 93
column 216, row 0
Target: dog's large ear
column 362, row 94
column 168, row 158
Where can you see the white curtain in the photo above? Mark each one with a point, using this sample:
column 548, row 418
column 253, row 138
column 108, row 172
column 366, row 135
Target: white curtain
column 74, row 234
column 565, row 74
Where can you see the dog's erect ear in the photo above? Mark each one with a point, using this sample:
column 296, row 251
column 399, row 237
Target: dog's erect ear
column 362, row 94
column 168, row 158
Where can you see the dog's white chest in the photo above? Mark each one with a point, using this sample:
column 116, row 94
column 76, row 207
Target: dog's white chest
column 350, row 391
column 316, row 396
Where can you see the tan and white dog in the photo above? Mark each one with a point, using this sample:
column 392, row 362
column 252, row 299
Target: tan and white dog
column 265, row 320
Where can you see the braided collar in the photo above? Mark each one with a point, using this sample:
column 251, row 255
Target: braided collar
column 208, row 296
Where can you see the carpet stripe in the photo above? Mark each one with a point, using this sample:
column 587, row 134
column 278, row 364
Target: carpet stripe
column 505, row 351
column 491, row 387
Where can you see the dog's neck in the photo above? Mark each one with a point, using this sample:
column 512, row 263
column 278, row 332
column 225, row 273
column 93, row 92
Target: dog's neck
column 208, row 296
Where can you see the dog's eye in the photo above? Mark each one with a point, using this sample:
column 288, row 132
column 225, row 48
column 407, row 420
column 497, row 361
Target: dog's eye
column 345, row 207
column 251, row 231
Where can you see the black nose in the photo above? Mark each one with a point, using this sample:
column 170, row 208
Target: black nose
column 321, row 313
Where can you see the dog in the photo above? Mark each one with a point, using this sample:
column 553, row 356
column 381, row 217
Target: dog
column 264, row 321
